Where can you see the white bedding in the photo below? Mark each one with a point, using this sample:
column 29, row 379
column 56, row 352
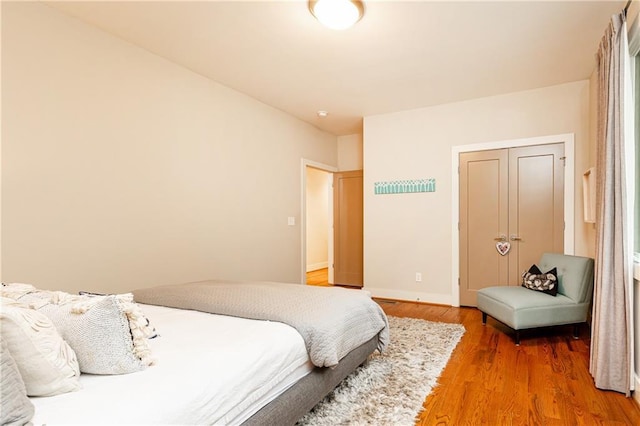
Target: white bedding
column 210, row 369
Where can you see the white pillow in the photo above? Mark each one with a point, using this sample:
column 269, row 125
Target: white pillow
column 15, row 407
column 16, row 290
column 47, row 364
column 108, row 333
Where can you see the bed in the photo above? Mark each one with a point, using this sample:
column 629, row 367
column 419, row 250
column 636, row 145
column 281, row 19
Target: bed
column 230, row 368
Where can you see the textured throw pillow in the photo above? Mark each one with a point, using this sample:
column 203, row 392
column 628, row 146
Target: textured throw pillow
column 142, row 321
column 108, row 333
column 546, row 282
column 47, row 364
column 16, row 409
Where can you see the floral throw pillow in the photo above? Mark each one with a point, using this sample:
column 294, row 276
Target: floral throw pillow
column 546, row 282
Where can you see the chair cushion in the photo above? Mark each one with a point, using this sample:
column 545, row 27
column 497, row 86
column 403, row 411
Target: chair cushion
column 575, row 275
column 520, row 308
column 522, row 298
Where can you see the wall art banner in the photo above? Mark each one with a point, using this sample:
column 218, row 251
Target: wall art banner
column 404, row 186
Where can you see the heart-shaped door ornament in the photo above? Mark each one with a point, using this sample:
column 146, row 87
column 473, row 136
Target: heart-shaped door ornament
column 503, row 247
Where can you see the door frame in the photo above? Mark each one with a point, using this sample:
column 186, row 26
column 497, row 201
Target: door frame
column 569, row 194
column 303, row 216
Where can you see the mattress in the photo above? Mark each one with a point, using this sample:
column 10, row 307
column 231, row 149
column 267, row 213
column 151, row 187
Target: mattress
column 210, row 369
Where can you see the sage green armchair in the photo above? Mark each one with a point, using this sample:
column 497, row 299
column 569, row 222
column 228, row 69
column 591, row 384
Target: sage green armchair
column 521, row 308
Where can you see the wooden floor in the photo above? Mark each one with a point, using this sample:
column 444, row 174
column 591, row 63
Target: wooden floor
column 319, row 277
column 490, row 381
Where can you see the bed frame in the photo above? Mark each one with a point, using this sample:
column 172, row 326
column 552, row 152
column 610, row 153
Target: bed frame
column 300, row 398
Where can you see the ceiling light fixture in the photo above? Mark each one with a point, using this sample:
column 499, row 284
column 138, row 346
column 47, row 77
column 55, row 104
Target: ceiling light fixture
column 337, row 14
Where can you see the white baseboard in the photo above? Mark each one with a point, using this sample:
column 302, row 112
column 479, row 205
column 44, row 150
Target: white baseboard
column 316, row 266
column 412, row 296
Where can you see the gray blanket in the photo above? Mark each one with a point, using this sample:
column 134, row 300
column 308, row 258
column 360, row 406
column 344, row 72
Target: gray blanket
column 332, row 321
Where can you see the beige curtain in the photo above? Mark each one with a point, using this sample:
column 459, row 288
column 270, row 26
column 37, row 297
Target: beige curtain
column 611, row 363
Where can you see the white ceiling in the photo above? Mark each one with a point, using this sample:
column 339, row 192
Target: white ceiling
column 401, row 55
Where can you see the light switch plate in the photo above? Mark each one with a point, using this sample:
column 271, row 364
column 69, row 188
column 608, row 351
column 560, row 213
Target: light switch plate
column 291, row 221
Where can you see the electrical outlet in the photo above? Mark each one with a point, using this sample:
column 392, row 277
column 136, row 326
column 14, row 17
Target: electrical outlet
column 418, row 277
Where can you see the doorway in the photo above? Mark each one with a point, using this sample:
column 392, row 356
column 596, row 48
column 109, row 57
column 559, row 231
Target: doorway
column 308, row 231
column 331, row 226
column 318, row 217
column 567, row 140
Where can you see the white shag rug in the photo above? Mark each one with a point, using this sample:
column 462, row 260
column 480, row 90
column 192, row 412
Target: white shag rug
column 391, row 387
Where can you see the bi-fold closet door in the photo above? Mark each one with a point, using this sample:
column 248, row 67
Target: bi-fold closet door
column 511, row 211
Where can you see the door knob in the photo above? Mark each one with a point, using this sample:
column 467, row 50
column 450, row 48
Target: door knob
column 501, row 238
column 515, row 238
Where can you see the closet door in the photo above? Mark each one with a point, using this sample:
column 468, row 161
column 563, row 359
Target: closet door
column 484, row 221
column 536, row 205
column 512, row 197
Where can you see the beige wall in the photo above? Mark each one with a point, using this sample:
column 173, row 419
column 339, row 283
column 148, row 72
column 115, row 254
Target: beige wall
column 409, row 233
column 317, row 219
column 350, row 152
column 123, row 170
